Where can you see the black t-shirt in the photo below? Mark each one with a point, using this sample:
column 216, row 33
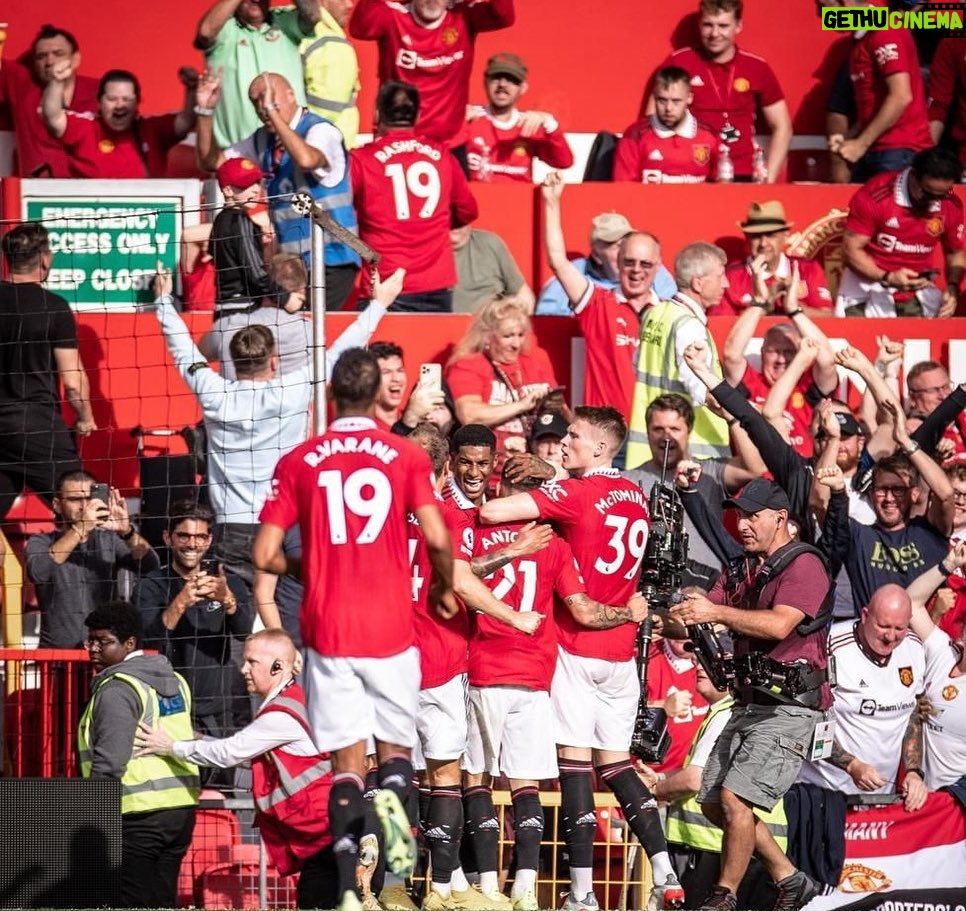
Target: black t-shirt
column 33, row 322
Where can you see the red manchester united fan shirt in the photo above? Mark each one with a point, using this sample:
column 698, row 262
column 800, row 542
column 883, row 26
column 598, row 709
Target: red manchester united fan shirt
column 442, row 643
column 500, row 153
column 437, row 59
column 604, row 519
column 612, row 330
column 649, row 152
column 139, row 152
column 350, row 490
column 876, row 56
column 500, row 655
column 901, row 238
column 404, row 188
column 814, row 291
column 729, row 94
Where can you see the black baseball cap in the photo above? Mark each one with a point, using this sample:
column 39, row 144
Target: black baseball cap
column 758, row 495
column 549, row 424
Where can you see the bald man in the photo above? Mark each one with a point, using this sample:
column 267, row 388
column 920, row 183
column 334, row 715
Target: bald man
column 880, row 667
column 299, row 151
column 279, row 745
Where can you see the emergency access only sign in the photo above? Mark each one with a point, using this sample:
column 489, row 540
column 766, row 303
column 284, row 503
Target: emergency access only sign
column 107, row 248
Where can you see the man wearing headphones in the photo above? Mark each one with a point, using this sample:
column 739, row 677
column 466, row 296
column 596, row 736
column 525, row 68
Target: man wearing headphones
column 279, row 745
column 769, row 611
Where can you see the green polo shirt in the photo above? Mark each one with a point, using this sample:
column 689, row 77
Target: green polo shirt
column 242, row 53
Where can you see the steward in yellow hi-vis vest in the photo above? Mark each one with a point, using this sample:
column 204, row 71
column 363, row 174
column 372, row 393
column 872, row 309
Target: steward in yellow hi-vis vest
column 159, row 794
column 666, row 331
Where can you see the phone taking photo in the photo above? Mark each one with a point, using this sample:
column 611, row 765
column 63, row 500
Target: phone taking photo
column 209, row 567
column 431, row 377
column 101, row 492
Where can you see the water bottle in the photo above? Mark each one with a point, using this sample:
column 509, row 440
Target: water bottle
column 485, row 172
column 726, row 167
column 759, row 167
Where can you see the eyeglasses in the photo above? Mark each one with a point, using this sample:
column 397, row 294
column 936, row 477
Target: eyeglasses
column 183, row 537
column 101, row 644
column 945, row 387
column 643, row 263
column 959, row 496
column 896, row 491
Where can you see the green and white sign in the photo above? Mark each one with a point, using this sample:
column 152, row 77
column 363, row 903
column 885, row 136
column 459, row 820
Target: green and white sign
column 107, row 247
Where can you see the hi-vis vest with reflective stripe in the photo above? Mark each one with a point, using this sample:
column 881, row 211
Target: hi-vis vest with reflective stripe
column 150, row 782
column 332, row 76
column 287, row 178
column 291, row 792
column 658, row 372
column 687, row 825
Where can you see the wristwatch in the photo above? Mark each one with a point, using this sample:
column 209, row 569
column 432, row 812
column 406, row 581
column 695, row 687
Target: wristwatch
column 130, row 533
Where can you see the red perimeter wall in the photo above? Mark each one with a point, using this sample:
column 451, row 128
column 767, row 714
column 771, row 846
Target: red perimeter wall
column 588, row 63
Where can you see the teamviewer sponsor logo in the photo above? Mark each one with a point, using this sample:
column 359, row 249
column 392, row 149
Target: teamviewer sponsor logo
column 407, row 59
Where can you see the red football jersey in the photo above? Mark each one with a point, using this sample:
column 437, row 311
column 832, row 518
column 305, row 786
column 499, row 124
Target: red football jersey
column 405, row 190
column 442, row 643
column 351, row 490
column 499, row 153
column 437, row 59
column 875, row 56
column 95, row 151
column 499, row 655
column 612, row 332
column 947, row 77
column 649, row 152
column 798, row 413
column 882, row 210
column 741, row 287
column 664, row 679
column 605, row 521
column 35, row 146
column 731, row 93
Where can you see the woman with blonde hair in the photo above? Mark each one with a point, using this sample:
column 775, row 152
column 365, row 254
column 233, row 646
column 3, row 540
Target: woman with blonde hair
column 499, row 377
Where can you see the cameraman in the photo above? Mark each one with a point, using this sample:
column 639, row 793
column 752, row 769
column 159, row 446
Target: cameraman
column 769, row 735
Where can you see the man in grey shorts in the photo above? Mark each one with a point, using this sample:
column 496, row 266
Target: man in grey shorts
column 758, row 755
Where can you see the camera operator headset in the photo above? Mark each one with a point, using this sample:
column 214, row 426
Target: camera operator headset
column 777, row 614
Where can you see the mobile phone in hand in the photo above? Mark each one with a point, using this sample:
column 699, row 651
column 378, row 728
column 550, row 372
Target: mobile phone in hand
column 209, row 567
column 101, row 492
column 929, row 274
column 431, row 377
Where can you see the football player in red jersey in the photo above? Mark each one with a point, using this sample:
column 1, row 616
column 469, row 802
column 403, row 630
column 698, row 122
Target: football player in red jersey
column 511, row 719
column 441, row 719
column 670, row 146
column 351, row 490
column 595, row 689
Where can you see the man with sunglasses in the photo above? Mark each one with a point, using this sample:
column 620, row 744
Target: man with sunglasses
column 609, row 320
column 502, row 140
column 895, row 223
